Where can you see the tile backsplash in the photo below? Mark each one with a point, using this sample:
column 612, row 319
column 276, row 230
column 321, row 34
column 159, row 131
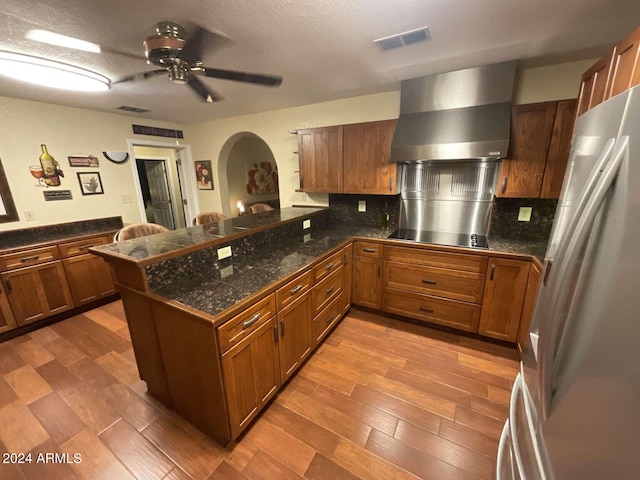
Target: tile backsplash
column 504, row 218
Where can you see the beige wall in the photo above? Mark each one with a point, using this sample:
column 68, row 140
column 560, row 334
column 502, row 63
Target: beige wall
column 554, row 82
column 25, row 125
column 246, row 151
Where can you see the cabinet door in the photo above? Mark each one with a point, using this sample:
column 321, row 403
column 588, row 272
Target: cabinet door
column 320, row 159
column 37, row 292
column 522, row 172
column 367, row 282
column 294, row 323
column 89, row 278
column 625, row 71
column 504, row 292
column 251, row 375
column 367, row 148
column 529, row 303
column 594, row 85
column 559, row 148
column 7, row 322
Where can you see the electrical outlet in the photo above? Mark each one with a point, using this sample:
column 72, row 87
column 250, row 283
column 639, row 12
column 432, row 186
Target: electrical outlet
column 226, row 271
column 29, row 216
column 362, row 206
column 126, row 198
column 306, row 238
column 306, row 224
column 224, row 252
column 524, row 214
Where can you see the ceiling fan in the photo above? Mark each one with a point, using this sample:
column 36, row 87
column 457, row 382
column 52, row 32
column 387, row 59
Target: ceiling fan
column 181, row 58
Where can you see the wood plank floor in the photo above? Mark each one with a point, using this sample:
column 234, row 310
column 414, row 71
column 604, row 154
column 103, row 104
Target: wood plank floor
column 380, row 399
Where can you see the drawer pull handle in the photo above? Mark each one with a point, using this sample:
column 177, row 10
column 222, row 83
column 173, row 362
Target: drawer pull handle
column 504, row 184
column 329, row 319
column 425, row 309
column 85, row 247
column 296, row 289
column 282, row 327
column 330, row 289
column 253, row 320
column 329, row 266
column 7, row 282
column 493, row 271
column 28, row 259
column 275, row 333
column 429, row 282
column 369, row 250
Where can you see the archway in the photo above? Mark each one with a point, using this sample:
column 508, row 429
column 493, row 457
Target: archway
column 248, row 173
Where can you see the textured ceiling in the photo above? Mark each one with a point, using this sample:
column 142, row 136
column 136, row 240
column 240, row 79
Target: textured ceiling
column 322, row 48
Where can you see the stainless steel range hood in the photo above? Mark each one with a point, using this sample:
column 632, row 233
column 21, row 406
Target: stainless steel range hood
column 458, row 115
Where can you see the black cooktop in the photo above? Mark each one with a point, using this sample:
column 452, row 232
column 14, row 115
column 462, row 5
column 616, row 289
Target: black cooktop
column 442, row 238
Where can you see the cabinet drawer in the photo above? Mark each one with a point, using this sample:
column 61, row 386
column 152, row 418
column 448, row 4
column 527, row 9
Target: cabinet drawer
column 325, row 291
column 369, row 249
column 26, row 258
column 292, row 290
column 450, row 313
column 327, row 318
column 439, row 282
column 432, row 258
column 80, row 247
column 233, row 331
column 328, row 266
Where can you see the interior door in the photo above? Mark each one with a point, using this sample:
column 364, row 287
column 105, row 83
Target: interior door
column 160, row 194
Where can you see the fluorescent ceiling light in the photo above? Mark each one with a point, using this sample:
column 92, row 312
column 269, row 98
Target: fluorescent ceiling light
column 62, row 40
column 49, row 73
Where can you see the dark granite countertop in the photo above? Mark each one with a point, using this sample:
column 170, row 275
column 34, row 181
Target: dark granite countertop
column 239, row 277
column 537, row 248
column 163, row 244
column 28, row 237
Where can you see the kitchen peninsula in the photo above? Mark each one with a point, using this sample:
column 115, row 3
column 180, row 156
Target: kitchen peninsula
column 215, row 337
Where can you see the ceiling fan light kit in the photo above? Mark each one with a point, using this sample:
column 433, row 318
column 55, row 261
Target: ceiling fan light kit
column 49, row 73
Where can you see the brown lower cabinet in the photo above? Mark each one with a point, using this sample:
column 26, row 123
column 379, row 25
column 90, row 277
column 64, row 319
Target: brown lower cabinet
column 37, row 292
column 89, row 278
column 504, row 291
column 294, row 324
column 7, row 322
column 251, row 371
column 529, row 303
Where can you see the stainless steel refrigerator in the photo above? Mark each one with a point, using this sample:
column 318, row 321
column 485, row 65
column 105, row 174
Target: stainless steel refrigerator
column 575, row 406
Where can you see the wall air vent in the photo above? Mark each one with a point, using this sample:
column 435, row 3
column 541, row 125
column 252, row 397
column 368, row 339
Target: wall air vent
column 127, row 108
column 403, row 39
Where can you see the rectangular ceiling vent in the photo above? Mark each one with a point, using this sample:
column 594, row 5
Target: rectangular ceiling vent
column 403, row 39
column 127, row 108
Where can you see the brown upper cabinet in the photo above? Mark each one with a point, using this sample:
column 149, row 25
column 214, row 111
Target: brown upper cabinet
column 538, row 150
column 614, row 73
column 320, row 157
column 348, row 158
column 366, row 167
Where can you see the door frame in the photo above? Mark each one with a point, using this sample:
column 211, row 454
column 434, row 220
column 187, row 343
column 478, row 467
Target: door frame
column 169, row 174
column 187, row 175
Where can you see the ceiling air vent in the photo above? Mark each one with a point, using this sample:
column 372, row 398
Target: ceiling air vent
column 127, row 108
column 403, row 39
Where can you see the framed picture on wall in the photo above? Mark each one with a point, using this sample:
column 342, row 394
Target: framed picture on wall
column 204, row 179
column 8, row 212
column 262, row 178
column 90, row 183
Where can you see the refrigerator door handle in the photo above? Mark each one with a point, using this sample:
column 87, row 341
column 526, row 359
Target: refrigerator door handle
column 504, row 449
column 555, row 327
column 520, row 390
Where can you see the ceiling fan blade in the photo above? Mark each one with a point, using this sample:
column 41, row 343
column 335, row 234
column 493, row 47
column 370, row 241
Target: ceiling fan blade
column 192, row 50
column 140, row 76
column 258, row 79
column 123, row 54
column 202, row 90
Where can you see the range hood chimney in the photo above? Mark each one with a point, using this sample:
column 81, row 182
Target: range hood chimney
column 458, row 115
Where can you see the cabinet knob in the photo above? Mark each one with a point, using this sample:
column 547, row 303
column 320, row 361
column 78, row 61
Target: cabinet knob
column 425, row 309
